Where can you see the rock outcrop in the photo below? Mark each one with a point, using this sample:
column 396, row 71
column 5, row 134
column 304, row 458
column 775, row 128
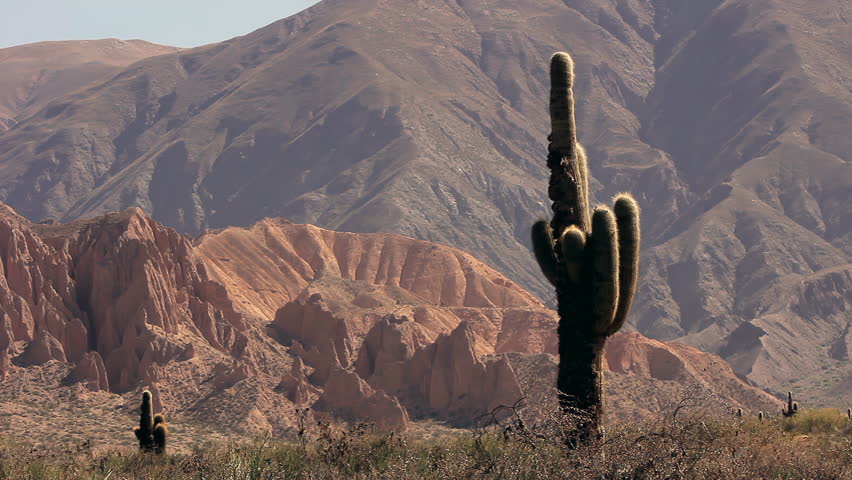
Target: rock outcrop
column 350, row 397
column 446, row 379
column 295, row 384
column 119, row 303
column 120, row 286
column 91, row 371
column 645, row 377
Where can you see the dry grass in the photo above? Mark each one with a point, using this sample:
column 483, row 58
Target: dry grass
column 815, row 445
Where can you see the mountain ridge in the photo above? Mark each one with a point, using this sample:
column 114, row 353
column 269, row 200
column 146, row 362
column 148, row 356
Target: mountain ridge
column 37, row 73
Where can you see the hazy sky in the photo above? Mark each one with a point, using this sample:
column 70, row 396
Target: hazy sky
column 180, row 23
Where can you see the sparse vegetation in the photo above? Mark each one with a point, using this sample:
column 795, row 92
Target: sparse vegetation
column 817, row 421
column 813, row 445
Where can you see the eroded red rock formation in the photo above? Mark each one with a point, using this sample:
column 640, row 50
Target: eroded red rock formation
column 121, row 286
column 362, row 326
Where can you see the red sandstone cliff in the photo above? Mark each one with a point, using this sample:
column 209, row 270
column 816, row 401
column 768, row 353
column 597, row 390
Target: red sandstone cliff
column 238, row 328
column 120, row 286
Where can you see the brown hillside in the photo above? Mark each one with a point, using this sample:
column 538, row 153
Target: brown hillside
column 33, row 75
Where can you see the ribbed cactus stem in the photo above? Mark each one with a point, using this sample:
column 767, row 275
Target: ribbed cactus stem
column 161, row 433
column 627, row 218
column 569, row 187
column 145, row 431
column 592, row 260
column 563, row 136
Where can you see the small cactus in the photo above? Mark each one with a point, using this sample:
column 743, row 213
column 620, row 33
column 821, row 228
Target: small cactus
column 739, row 412
column 792, row 407
column 161, row 433
column 849, row 413
column 152, row 432
column 760, row 416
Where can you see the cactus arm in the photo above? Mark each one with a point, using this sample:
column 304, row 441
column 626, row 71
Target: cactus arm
column 573, row 243
column 604, row 268
column 161, row 435
column 140, row 436
column 542, row 240
column 627, row 219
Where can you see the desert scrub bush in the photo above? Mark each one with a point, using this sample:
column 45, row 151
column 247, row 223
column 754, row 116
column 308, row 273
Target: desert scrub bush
column 820, row 420
column 697, row 447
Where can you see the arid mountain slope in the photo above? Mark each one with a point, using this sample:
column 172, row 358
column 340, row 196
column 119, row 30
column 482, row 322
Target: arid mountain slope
column 95, row 310
column 727, row 119
column 35, row 74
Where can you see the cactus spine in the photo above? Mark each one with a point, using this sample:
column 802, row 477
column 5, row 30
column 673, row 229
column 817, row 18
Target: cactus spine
column 592, row 260
column 152, row 432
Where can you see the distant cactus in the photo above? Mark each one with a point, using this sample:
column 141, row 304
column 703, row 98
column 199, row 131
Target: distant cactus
column 760, row 416
column 792, row 407
column 591, row 259
column 161, row 433
column 739, row 412
column 152, row 432
column 849, row 413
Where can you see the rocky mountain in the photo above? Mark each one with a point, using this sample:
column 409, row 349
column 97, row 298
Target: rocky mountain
column 35, row 74
column 374, row 327
column 727, row 119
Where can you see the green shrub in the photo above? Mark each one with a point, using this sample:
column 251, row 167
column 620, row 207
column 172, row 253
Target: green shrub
column 821, row 420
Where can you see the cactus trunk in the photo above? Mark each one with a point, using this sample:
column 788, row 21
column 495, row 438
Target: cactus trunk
column 580, row 383
column 592, row 260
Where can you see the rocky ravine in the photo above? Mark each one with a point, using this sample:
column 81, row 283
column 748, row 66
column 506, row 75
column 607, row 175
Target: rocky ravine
column 235, row 330
column 727, row 119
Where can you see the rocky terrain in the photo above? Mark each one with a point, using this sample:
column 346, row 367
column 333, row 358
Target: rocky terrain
column 376, row 327
column 727, row 119
column 35, row 74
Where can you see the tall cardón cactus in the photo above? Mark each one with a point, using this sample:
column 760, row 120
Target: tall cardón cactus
column 152, row 432
column 591, row 259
